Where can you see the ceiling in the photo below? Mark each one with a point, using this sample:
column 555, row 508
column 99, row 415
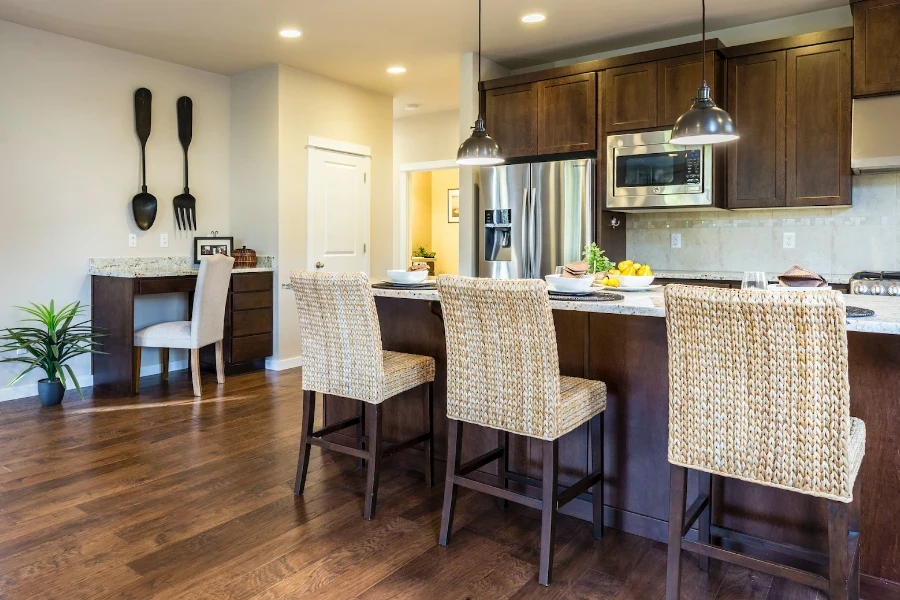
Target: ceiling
column 356, row 40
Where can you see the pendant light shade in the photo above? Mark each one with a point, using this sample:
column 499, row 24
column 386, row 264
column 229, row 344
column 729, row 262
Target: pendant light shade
column 704, row 123
column 479, row 149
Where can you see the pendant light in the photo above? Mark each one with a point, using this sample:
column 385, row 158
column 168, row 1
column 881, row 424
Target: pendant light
column 480, row 149
column 704, row 123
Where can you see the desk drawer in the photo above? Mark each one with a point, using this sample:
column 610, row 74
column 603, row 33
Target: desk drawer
column 166, row 285
column 251, row 282
column 251, row 322
column 251, row 300
column 252, row 347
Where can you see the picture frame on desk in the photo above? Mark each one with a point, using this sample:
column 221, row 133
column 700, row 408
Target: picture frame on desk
column 209, row 246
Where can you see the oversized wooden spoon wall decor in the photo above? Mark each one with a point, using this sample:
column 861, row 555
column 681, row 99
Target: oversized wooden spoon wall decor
column 144, row 204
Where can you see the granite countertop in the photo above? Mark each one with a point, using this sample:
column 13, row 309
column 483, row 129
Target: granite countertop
column 161, row 266
column 734, row 276
column 652, row 304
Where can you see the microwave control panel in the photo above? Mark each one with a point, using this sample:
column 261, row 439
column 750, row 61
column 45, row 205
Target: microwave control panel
column 693, row 158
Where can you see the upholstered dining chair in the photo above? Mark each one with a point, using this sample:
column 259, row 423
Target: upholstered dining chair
column 207, row 324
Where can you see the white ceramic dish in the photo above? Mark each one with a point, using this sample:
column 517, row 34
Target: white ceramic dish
column 633, row 281
column 558, row 283
column 777, row 287
column 643, row 288
column 404, row 276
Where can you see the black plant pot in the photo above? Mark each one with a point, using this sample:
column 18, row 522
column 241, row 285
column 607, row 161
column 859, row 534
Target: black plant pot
column 50, row 392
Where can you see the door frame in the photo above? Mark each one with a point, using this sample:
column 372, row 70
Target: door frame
column 401, row 233
column 338, row 147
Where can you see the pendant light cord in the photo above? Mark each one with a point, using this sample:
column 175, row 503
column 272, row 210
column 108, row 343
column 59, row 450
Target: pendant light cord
column 479, row 39
column 703, row 57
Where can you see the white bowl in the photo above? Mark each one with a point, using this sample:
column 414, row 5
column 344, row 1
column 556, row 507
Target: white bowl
column 404, row 276
column 634, row 280
column 558, row 283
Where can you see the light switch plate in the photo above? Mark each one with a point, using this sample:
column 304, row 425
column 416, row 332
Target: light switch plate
column 676, row 240
column 789, row 240
column 132, row 240
column 164, row 240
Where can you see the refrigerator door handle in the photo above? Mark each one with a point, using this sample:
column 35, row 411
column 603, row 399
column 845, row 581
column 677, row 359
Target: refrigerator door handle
column 535, row 235
column 525, row 251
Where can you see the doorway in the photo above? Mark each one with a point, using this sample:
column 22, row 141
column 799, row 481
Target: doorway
column 433, row 219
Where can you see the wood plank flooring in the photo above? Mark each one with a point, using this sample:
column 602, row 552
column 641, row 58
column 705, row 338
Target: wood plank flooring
column 164, row 496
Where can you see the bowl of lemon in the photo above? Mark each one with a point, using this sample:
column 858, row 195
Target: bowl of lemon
column 629, row 274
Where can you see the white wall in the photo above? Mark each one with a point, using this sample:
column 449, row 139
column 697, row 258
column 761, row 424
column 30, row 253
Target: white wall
column 70, row 164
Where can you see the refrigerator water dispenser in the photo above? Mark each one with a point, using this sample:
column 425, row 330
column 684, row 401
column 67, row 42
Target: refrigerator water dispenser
column 497, row 235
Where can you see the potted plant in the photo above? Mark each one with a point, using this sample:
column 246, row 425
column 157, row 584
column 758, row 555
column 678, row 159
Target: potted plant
column 422, row 252
column 598, row 263
column 50, row 346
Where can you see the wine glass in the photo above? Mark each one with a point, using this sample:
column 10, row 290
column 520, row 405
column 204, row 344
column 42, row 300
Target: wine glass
column 754, row 280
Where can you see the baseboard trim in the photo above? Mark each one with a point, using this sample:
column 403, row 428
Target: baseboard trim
column 273, row 364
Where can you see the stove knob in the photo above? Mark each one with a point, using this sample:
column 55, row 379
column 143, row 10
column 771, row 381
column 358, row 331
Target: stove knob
column 894, row 290
column 862, row 289
column 878, row 290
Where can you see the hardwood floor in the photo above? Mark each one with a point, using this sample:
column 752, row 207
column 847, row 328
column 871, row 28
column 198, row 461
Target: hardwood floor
column 168, row 496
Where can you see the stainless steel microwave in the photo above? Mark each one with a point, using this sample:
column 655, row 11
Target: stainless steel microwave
column 645, row 171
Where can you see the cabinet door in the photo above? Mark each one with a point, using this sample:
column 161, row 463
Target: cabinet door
column 511, row 119
column 678, row 80
column 756, row 102
column 818, row 125
column 876, row 52
column 567, row 114
column 631, row 97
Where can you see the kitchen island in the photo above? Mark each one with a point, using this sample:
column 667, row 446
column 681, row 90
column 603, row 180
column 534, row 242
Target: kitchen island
column 624, row 344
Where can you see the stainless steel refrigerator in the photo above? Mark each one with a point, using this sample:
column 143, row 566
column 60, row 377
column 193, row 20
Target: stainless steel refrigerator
column 533, row 217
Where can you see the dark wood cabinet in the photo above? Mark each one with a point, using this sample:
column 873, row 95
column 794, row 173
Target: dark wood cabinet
column 756, row 102
column 567, row 114
column 678, row 80
column 876, row 50
column 511, row 116
column 631, row 97
column 818, row 125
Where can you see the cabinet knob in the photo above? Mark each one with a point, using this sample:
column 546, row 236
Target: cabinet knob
column 320, row 265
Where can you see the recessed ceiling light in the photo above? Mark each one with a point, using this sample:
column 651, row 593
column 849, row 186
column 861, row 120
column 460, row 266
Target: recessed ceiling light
column 396, row 70
column 290, row 33
column 533, row 18
column 411, row 107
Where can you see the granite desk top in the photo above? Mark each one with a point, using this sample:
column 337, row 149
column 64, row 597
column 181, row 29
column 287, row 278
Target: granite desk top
column 161, row 266
column 652, row 304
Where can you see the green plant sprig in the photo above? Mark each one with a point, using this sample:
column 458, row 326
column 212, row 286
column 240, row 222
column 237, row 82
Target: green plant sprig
column 596, row 259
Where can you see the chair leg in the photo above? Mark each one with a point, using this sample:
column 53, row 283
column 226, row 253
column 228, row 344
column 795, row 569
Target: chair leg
column 429, row 445
column 306, row 429
column 705, row 520
column 164, row 363
column 855, row 524
column 136, row 369
column 838, row 559
column 549, row 493
column 677, row 498
column 220, row 363
column 597, row 464
column 375, row 451
column 503, row 465
column 454, row 454
column 360, row 431
column 195, row 370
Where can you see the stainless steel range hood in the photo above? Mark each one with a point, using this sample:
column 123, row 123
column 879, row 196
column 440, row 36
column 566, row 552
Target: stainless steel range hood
column 876, row 135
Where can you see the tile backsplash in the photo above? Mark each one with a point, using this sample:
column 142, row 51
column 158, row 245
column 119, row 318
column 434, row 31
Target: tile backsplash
column 828, row 240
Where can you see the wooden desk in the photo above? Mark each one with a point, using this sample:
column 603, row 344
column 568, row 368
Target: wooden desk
column 248, row 324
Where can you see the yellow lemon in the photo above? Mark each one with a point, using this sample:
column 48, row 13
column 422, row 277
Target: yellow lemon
column 624, row 265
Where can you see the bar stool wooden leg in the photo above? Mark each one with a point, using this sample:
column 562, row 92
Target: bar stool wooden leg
column 677, row 499
column 136, row 369
column 855, row 524
column 549, row 493
column 429, row 445
column 838, row 559
column 361, row 432
column 164, row 363
column 705, row 519
column 306, row 429
column 454, row 454
column 503, row 465
column 375, row 453
column 597, row 465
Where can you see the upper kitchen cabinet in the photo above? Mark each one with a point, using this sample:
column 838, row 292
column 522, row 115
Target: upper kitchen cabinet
column 567, row 114
column 631, row 97
column 818, row 125
column 876, row 52
column 677, row 82
column 512, row 119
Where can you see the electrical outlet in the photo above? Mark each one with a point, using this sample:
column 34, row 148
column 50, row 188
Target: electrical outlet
column 132, row 240
column 164, row 240
column 676, row 240
column 789, row 240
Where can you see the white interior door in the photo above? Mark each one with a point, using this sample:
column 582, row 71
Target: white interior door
column 338, row 211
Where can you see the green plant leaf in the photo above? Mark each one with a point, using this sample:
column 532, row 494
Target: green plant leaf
column 74, row 380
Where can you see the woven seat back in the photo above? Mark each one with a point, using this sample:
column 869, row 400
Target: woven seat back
column 340, row 335
column 502, row 359
column 759, row 387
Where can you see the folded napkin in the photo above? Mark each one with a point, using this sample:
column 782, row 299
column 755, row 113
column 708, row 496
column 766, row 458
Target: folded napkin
column 575, row 269
column 799, row 277
column 418, row 267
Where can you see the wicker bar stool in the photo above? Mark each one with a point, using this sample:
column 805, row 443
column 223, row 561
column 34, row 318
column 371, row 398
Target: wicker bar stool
column 759, row 391
column 503, row 373
column 342, row 356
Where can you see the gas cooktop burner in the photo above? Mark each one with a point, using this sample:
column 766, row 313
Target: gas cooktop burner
column 871, row 283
